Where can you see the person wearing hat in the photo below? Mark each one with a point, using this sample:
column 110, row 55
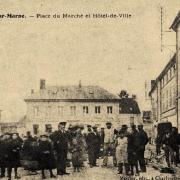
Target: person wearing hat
column 121, row 152
column 97, row 140
column 13, row 151
column 60, row 139
column 132, row 149
column 3, row 153
column 109, row 146
column 142, row 140
column 46, row 156
column 91, row 144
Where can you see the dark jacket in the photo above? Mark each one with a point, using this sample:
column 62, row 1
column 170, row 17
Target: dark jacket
column 60, row 141
column 142, row 139
column 132, row 142
column 13, row 151
column 46, row 155
column 91, row 140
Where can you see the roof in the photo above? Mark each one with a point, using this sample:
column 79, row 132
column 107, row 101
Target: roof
column 72, row 93
column 171, row 62
column 128, row 106
column 176, row 22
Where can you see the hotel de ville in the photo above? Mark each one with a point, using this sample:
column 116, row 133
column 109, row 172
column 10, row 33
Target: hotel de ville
column 77, row 104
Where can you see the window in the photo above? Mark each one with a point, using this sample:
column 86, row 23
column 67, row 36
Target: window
column 109, row 109
column 60, row 110
column 131, row 120
column 35, row 129
column 85, row 110
column 174, row 69
column 170, row 72
column 48, row 111
column 97, row 109
column 36, row 111
column 73, row 110
column 48, row 128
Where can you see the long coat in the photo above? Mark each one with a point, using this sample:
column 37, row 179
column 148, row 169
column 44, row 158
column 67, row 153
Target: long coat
column 13, row 151
column 60, row 140
column 3, row 152
column 46, row 155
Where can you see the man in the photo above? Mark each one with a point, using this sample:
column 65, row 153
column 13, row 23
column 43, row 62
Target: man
column 142, row 139
column 132, row 149
column 97, row 144
column 109, row 139
column 5, row 144
column 90, row 141
column 13, row 151
column 3, row 156
column 60, row 140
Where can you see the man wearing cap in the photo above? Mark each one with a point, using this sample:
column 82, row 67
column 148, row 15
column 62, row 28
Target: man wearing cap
column 109, row 140
column 60, row 140
column 90, row 141
column 142, row 139
column 97, row 143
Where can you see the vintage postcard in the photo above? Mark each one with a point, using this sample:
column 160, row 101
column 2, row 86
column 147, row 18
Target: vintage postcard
column 90, row 90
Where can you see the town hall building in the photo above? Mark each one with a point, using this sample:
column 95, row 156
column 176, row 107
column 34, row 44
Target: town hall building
column 77, row 104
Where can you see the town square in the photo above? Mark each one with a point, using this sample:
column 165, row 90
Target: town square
column 90, row 90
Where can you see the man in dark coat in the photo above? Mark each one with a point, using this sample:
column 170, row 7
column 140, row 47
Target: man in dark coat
column 132, row 149
column 142, row 139
column 60, row 140
column 90, row 141
column 3, row 155
column 97, row 143
column 13, row 152
column 46, row 155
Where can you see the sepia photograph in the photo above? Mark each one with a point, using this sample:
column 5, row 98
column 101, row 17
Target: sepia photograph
column 90, row 90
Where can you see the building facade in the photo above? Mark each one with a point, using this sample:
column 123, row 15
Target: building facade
column 77, row 104
column 165, row 91
column 163, row 95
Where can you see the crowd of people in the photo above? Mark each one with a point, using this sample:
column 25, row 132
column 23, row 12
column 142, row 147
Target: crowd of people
column 53, row 150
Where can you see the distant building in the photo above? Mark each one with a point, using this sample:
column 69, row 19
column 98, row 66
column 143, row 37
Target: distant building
column 77, row 104
column 14, row 127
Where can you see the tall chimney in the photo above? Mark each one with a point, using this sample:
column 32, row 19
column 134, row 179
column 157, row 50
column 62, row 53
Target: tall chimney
column 42, row 84
column 32, row 91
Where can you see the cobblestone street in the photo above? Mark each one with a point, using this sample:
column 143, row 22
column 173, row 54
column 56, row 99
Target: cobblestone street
column 101, row 173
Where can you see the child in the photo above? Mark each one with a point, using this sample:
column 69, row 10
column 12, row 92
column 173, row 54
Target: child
column 46, row 156
column 121, row 152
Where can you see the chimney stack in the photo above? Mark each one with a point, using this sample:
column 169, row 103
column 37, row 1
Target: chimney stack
column 153, row 82
column 134, row 96
column 32, row 91
column 42, row 84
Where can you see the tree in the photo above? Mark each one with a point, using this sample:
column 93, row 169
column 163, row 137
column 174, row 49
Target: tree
column 123, row 94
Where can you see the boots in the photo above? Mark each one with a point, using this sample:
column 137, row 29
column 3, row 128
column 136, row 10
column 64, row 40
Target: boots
column 16, row 175
column 43, row 175
column 51, row 174
column 120, row 168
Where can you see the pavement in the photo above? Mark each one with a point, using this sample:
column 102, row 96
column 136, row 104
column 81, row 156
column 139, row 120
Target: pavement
column 103, row 173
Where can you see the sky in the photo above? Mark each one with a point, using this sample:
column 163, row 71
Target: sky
column 115, row 54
